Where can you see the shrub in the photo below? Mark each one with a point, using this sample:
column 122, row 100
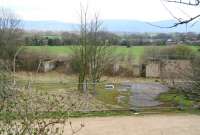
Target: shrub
column 28, row 62
column 174, row 52
column 178, row 52
column 74, row 63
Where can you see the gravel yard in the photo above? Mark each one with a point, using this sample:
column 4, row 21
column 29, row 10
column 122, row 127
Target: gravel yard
column 145, row 94
column 139, row 125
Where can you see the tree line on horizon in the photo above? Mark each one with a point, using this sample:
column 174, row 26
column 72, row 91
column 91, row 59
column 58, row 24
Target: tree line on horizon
column 71, row 38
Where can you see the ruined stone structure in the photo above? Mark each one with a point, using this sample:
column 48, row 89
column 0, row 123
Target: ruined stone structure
column 153, row 69
column 175, row 68
column 167, row 68
column 48, row 66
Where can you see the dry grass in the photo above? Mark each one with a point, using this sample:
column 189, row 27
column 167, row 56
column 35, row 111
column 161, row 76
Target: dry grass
column 49, row 77
column 127, row 79
column 56, row 77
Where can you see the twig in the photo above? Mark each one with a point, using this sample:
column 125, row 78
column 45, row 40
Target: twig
column 196, row 3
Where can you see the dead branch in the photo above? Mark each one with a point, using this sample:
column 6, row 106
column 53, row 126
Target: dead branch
column 180, row 21
column 194, row 3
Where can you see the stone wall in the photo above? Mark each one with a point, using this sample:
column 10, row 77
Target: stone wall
column 168, row 68
column 121, row 69
column 175, row 68
column 153, row 69
column 48, row 66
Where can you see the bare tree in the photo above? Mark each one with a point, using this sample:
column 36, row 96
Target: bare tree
column 10, row 34
column 27, row 111
column 195, row 77
column 82, row 50
column 24, row 110
column 189, row 2
column 192, row 84
column 99, row 52
column 93, row 52
column 180, row 21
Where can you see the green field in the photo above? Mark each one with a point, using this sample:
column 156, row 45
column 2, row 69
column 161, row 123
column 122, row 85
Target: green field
column 136, row 51
column 50, row 50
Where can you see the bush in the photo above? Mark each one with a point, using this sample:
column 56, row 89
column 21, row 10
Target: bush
column 174, row 52
column 178, row 52
column 27, row 62
column 30, row 61
column 5, row 83
column 74, row 63
column 195, row 78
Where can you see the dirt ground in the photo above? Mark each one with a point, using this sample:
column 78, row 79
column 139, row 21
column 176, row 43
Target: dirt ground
column 139, row 125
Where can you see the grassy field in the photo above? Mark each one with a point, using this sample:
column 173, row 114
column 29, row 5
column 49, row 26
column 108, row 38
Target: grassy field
column 50, row 50
column 135, row 52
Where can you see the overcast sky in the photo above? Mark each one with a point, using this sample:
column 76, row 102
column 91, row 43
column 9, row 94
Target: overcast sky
column 67, row 10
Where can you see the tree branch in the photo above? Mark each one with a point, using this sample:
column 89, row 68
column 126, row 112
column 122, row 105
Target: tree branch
column 180, row 21
column 194, row 3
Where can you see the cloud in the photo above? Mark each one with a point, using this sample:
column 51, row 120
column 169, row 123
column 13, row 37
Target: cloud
column 67, row 10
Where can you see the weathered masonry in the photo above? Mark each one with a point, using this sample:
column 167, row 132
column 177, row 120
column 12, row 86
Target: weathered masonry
column 167, row 68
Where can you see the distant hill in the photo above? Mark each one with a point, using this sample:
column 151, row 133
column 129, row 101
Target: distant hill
column 129, row 26
column 49, row 25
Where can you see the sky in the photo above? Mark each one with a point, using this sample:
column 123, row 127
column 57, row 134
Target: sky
column 68, row 10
